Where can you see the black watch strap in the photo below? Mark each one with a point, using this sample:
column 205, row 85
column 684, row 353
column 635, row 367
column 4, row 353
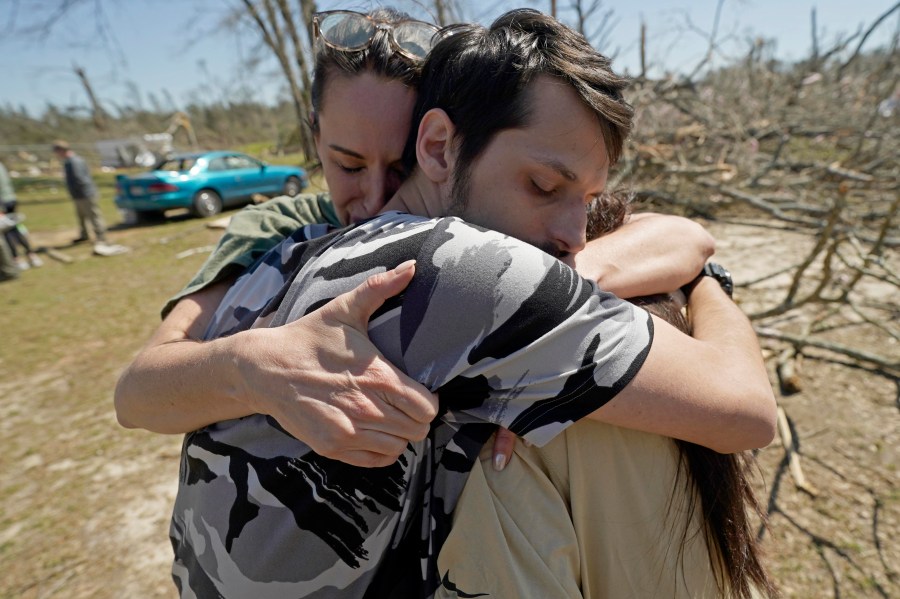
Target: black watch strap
column 716, row 271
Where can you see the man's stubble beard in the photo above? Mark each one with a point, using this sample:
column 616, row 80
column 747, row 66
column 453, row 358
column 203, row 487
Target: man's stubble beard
column 460, row 191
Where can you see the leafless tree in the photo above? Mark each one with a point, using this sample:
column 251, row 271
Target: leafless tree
column 276, row 24
column 593, row 22
column 97, row 112
column 803, row 147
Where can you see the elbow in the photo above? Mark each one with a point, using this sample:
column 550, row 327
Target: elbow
column 121, row 417
column 123, row 421
column 121, row 405
column 752, row 427
column 755, row 433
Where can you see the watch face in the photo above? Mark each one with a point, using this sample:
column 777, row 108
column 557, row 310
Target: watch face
column 720, row 274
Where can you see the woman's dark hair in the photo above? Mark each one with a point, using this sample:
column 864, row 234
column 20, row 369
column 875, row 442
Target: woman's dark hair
column 378, row 58
column 479, row 77
column 720, row 483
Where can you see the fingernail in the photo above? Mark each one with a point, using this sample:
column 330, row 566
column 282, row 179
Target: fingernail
column 499, row 462
column 527, row 442
column 403, row 267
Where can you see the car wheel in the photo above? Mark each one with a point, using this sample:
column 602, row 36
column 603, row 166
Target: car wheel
column 292, row 186
column 206, row 203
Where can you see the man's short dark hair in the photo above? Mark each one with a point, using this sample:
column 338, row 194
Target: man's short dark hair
column 479, row 77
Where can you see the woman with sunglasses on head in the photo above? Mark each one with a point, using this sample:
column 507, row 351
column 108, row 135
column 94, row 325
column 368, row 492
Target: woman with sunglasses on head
column 319, row 377
column 362, row 99
column 326, row 384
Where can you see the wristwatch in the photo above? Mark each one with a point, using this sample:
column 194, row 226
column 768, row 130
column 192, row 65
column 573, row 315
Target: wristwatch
column 716, row 271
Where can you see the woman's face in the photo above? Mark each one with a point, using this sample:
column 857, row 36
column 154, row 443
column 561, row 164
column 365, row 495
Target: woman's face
column 363, row 124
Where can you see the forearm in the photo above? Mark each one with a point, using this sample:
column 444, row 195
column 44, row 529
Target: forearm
column 717, row 321
column 320, row 377
column 650, row 253
column 744, row 396
column 179, row 386
column 177, row 383
column 712, row 389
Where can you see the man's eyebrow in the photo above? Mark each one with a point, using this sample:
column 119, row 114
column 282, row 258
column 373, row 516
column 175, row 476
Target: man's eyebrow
column 559, row 167
column 342, row 150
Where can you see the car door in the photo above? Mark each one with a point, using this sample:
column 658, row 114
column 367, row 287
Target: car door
column 249, row 174
column 220, row 178
column 273, row 179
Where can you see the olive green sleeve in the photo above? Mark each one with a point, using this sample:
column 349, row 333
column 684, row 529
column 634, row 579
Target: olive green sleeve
column 252, row 232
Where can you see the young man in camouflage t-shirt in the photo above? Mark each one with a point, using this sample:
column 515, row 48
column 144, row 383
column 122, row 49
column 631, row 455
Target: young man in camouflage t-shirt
column 506, row 333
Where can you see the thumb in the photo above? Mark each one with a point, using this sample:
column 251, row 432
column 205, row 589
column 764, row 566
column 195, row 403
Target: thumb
column 356, row 306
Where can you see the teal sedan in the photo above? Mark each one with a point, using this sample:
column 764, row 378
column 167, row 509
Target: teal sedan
column 204, row 183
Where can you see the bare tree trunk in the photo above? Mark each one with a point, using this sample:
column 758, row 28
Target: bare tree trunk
column 447, row 12
column 97, row 112
column 580, row 16
column 307, row 10
column 273, row 37
column 441, row 12
column 815, row 37
column 585, row 13
column 643, row 49
column 299, row 56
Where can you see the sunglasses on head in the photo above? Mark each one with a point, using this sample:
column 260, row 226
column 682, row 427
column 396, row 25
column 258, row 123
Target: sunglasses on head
column 353, row 31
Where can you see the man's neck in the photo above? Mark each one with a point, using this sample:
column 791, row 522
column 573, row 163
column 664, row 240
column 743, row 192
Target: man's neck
column 419, row 196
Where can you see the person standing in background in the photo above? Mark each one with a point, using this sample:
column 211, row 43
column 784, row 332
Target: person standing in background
column 83, row 191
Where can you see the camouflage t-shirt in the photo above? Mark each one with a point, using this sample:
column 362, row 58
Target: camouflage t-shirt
column 504, row 332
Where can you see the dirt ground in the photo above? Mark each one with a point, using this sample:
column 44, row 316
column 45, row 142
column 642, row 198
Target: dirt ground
column 88, row 503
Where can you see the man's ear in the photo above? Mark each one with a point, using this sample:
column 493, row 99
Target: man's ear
column 434, row 145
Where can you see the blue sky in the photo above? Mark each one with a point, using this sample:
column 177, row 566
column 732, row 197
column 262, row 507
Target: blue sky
column 179, row 47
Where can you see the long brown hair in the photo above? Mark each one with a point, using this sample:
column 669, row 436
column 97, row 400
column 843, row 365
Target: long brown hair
column 717, row 484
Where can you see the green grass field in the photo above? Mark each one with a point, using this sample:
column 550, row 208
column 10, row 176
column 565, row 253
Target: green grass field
column 68, row 472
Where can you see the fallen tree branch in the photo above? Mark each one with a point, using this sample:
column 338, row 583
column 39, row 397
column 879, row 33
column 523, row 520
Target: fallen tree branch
column 787, row 368
column 857, row 354
column 787, row 442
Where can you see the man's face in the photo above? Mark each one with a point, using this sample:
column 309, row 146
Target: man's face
column 534, row 183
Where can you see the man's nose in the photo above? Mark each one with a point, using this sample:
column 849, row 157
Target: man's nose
column 570, row 229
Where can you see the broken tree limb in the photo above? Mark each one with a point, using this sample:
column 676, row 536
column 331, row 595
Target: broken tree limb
column 58, row 255
column 788, row 375
column 759, row 203
column 857, row 354
column 835, row 169
column 787, row 441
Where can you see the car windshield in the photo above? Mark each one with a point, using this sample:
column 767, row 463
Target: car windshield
column 184, row 163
